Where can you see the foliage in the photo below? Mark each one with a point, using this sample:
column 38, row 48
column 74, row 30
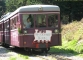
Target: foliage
column 19, row 57
column 73, row 33
column 67, row 47
column 71, row 9
column 79, row 47
column 19, row 30
column 72, row 39
column 2, row 7
column 14, row 4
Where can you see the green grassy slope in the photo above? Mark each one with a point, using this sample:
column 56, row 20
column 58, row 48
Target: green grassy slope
column 72, row 38
column 72, row 34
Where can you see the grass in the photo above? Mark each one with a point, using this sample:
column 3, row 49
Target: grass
column 72, row 39
column 19, row 57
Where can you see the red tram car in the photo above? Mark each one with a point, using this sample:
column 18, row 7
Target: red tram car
column 42, row 31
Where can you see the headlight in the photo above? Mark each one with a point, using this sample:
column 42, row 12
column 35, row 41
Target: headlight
column 56, row 31
column 25, row 32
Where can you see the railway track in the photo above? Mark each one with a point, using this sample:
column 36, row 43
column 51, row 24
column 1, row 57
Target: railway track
column 40, row 56
column 48, row 57
column 36, row 55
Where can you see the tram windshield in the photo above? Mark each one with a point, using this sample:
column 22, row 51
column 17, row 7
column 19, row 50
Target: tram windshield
column 39, row 20
column 28, row 20
column 52, row 20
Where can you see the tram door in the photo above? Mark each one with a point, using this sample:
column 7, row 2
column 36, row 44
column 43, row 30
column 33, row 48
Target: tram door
column 6, row 32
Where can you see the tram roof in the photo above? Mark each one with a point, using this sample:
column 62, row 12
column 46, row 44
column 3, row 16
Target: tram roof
column 34, row 8
column 37, row 7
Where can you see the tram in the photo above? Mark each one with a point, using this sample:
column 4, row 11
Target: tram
column 32, row 27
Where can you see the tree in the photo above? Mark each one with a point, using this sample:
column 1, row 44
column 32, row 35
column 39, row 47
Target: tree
column 69, row 8
column 14, row 4
column 2, row 7
column 11, row 5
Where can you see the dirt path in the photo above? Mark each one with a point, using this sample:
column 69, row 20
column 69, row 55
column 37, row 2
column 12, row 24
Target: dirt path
column 4, row 53
column 55, row 57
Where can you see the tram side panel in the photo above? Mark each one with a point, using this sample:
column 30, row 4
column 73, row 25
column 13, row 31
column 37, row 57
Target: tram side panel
column 14, row 38
column 26, row 39
column 0, row 37
column 1, row 32
column 60, row 40
column 6, row 32
column 55, row 40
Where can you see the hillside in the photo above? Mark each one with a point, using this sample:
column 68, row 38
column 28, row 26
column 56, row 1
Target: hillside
column 72, row 31
column 72, row 34
column 72, row 39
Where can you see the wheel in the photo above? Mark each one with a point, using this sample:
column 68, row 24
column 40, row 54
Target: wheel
column 48, row 48
column 44, row 50
column 29, row 50
column 33, row 51
column 5, row 45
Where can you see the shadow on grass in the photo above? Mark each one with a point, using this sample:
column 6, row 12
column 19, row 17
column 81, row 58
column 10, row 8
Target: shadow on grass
column 62, row 51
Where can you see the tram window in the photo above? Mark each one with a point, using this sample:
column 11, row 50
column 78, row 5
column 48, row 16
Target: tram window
column 27, row 21
column 5, row 25
column 13, row 22
column 16, row 18
column 1, row 27
column 40, row 20
column 53, row 20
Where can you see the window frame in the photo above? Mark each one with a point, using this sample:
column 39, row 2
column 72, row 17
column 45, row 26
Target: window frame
column 34, row 17
column 14, row 20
